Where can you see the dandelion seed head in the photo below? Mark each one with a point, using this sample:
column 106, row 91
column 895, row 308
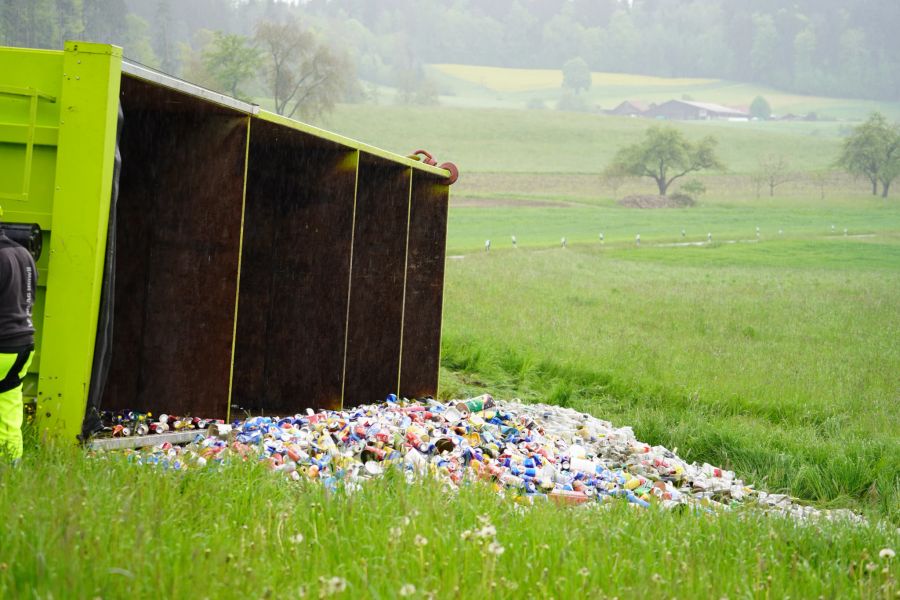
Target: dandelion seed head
column 488, row 531
column 495, row 548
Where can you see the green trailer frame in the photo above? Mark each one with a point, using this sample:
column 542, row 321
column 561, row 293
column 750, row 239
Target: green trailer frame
column 261, row 264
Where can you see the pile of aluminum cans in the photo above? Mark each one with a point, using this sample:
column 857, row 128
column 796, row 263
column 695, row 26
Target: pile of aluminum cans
column 126, row 423
column 531, row 452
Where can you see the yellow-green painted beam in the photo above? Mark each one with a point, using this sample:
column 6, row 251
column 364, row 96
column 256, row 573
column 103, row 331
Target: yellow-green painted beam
column 85, row 155
column 350, row 143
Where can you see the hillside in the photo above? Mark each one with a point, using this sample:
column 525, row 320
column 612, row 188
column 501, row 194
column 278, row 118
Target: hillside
column 549, row 141
column 470, row 85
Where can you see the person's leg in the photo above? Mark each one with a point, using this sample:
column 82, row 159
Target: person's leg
column 11, row 407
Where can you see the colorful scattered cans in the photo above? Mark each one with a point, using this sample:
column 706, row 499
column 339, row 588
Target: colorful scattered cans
column 526, row 451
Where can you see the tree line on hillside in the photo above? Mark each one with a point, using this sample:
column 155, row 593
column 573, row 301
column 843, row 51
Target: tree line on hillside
column 665, row 155
column 828, row 47
column 280, row 57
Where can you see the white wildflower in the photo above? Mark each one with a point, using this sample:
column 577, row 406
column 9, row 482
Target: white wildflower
column 408, row 589
column 887, row 553
column 332, row 586
column 488, row 531
column 297, row 539
column 495, row 548
column 420, row 540
column 465, row 535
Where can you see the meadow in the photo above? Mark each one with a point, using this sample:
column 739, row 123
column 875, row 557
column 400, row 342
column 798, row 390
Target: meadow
column 778, row 359
column 104, row 528
column 550, row 141
column 774, row 356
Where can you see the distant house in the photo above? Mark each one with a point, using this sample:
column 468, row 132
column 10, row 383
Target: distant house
column 629, row 108
column 686, row 110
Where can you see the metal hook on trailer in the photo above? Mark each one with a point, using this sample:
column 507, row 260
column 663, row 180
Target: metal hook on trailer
column 428, row 159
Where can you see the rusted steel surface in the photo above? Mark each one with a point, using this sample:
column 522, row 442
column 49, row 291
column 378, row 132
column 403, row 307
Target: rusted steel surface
column 295, row 272
column 178, row 238
column 419, row 363
column 376, row 291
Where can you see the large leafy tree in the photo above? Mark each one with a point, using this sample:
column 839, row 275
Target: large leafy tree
column 665, row 155
column 305, row 77
column 873, row 151
column 760, row 109
column 576, row 75
column 231, row 60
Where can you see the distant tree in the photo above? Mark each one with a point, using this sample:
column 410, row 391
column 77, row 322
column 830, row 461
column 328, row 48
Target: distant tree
column 774, row 170
column 413, row 86
column 693, row 188
column 105, row 21
column 69, row 21
column 30, row 23
column 164, row 37
column 760, row 109
column 136, row 44
column 305, row 77
column 576, row 75
column 872, row 150
column 193, row 67
column 614, row 181
column 572, row 102
column 664, row 155
column 763, row 53
column 231, row 60
column 822, row 180
column 758, row 180
column 805, row 70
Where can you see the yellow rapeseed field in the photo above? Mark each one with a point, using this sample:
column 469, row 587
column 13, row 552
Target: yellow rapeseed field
column 523, row 80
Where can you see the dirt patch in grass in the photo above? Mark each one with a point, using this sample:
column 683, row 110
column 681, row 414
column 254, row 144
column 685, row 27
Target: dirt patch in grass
column 648, row 201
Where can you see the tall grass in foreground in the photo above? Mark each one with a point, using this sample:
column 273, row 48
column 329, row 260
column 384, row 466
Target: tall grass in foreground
column 779, row 361
column 72, row 527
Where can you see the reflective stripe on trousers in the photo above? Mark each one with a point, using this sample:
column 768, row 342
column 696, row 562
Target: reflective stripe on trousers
column 11, row 407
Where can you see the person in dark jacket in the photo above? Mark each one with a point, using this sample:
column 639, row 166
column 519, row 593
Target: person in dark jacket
column 18, row 283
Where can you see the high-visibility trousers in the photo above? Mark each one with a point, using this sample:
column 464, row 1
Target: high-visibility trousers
column 13, row 368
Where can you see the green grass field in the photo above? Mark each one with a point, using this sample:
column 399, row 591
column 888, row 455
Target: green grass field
column 777, row 358
column 76, row 528
column 520, row 141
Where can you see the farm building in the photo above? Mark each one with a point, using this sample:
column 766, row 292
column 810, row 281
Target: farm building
column 692, row 111
column 629, row 108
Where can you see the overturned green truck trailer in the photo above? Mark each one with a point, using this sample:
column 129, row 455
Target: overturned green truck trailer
column 202, row 256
